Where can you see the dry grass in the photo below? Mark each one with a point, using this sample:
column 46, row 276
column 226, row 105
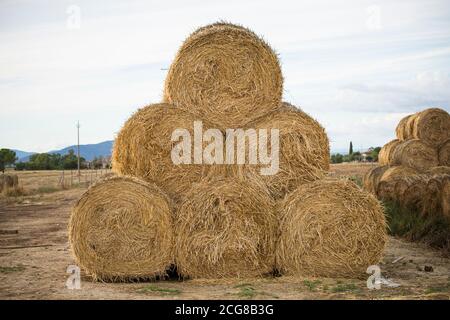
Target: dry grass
column 121, row 229
column 225, row 74
column 224, row 229
column 330, row 228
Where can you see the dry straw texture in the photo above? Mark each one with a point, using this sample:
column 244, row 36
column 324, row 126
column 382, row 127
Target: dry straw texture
column 372, row 178
column 415, row 154
column 392, row 183
column 8, row 181
column 444, row 154
column 439, row 170
column 434, row 198
column 446, row 197
column 400, row 130
column 330, row 228
column 226, row 228
column 304, row 150
column 413, row 193
column 225, row 74
column 121, row 229
column 143, row 149
column 387, row 151
column 432, row 126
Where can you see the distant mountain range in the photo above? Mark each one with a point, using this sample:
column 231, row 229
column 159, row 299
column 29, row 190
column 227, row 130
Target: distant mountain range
column 87, row 151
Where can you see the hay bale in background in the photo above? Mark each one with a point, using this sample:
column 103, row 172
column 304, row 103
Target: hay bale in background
column 415, row 193
column 400, row 130
column 445, row 196
column 432, row 126
column 392, row 183
column 444, row 154
column 226, row 228
column 387, row 151
column 372, row 178
column 225, row 74
column 433, row 197
column 409, row 126
column 304, row 150
column 330, row 228
column 121, row 229
column 143, row 149
column 415, row 154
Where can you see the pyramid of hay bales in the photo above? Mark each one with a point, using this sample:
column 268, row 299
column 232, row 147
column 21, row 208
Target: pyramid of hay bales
column 224, row 220
column 414, row 169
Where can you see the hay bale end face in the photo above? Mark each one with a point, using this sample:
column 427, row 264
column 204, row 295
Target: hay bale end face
column 304, row 152
column 432, row 126
column 121, row 229
column 225, row 228
column 387, row 151
column 415, row 154
column 143, row 149
column 400, row 130
column 225, row 74
column 330, row 228
column 392, row 183
column 372, row 178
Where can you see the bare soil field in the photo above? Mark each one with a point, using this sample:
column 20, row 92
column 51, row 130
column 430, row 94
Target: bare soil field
column 34, row 256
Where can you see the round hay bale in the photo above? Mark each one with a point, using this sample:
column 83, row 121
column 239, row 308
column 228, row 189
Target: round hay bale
column 439, row 170
column 432, row 126
column 391, row 183
column 415, row 154
column 226, row 228
column 387, row 151
column 143, row 149
column 304, row 152
column 121, row 229
column 225, row 74
column 444, row 154
column 330, row 228
column 400, row 130
column 415, row 193
column 433, row 197
column 372, row 178
column 445, row 196
column 409, row 127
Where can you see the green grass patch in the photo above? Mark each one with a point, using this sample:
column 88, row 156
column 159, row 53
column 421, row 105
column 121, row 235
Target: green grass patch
column 432, row 229
column 311, row 285
column 344, row 287
column 11, row 269
column 246, row 290
column 357, row 180
column 162, row 291
column 439, row 289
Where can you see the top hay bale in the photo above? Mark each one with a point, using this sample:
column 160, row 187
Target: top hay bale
column 225, row 74
column 387, row 151
column 432, row 126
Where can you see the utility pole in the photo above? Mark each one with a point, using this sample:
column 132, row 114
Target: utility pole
column 78, row 146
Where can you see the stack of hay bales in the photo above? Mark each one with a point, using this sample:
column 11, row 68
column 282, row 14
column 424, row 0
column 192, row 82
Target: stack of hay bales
column 415, row 167
column 224, row 220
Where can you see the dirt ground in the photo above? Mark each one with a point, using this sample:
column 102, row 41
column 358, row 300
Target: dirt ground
column 34, row 256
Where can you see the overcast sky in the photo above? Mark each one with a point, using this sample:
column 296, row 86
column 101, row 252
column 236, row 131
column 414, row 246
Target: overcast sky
column 356, row 66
